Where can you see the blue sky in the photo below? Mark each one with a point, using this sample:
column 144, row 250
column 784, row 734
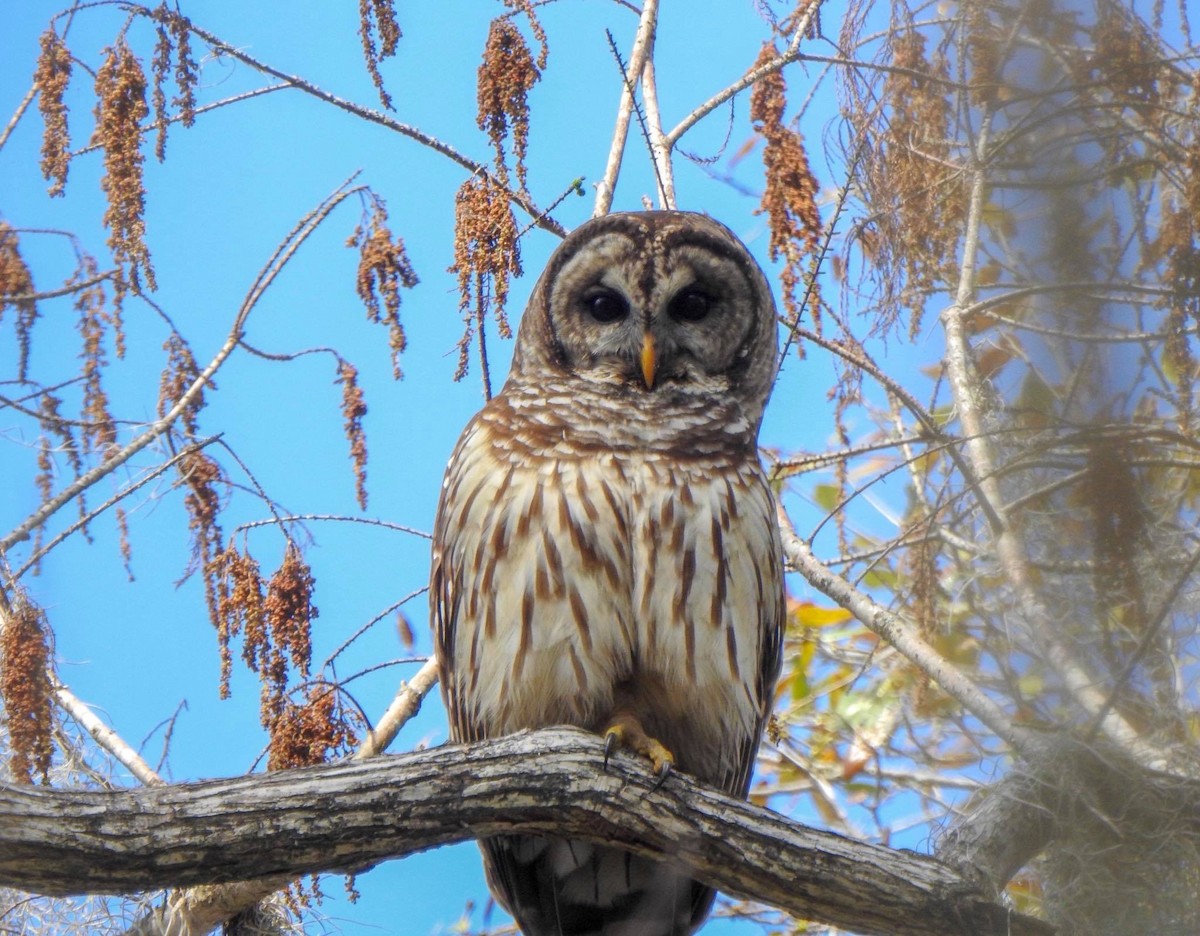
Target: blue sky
column 230, row 188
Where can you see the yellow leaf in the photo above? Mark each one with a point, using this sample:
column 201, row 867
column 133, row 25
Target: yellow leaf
column 827, row 496
column 988, row 273
column 808, row 614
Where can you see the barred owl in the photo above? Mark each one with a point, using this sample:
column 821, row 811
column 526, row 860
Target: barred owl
column 605, row 552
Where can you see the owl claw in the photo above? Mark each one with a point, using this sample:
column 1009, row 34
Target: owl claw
column 627, row 732
column 610, row 745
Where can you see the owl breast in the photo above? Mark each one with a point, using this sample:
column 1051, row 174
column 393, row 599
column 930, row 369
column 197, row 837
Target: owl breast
column 587, row 575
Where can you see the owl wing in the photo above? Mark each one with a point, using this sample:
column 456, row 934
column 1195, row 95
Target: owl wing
column 529, row 587
column 772, row 626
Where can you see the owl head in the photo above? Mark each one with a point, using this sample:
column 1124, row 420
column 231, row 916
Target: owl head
column 654, row 306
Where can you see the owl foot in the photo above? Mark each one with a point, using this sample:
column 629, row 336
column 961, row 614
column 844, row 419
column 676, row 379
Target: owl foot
column 627, row 732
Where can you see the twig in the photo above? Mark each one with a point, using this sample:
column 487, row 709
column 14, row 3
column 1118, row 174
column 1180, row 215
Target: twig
column 394, row 606
column 62, row 290
column 215, row 105
column 404, row 706
column 790, row 54
column 42, row 418
column 858, row 358
column 903, row 636
column 162, row 425
column 18, row 114
column 112, row 501
column 366, row 113
column 1152, row 628
column 799, row 464
column 103, row 735
column 307, row 518
column 643, row 44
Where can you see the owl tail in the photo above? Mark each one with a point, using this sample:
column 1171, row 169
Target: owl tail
column 556, row 887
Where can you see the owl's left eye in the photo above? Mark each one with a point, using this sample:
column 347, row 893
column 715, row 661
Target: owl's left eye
column 691, row 305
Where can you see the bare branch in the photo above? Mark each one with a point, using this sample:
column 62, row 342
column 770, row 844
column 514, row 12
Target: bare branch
column 91, row 515
column 62, row 290
column 660, row 152
column 788, row 55
column 404, row 706
column 374, row 116
column 348, row 816
column 1011, row 552
column 341, row 518
column 643, row 48
column 18, row 114
column 164, row 424
column 103, row 735
column 903, row 636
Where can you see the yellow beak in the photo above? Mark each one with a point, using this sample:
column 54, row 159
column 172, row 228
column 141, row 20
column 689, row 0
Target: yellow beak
column 649, row 360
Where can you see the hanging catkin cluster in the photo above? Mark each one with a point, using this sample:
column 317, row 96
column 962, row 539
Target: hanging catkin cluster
column 790, row 196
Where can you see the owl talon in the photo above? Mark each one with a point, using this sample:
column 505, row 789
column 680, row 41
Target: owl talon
column 664, row 771
column 627, row 732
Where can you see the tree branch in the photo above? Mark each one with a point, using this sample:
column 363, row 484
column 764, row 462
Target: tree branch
column 113, row 460
column 1011, row 550
column 660, row 152
column 752, row 76
column 904, row 638
column 540, row 218
column 404, row 706
column 350, row 816
column 643, row 45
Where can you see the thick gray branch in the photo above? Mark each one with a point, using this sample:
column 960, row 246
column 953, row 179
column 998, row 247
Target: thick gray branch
column 350, row 816
column 1055, row 794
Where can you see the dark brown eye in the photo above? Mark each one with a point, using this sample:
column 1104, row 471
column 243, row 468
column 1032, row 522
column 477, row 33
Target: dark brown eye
column 606, row 306
column 691, row 305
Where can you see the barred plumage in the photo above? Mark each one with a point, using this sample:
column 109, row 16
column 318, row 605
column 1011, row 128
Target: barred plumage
column 605, row 553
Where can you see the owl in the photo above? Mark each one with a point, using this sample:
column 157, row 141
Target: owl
column 605, row 552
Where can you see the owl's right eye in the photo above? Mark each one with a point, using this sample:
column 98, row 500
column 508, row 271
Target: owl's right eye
column 606, row 306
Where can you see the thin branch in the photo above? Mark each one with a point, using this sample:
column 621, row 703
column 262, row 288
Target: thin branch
column 42, row 418
column 904, row 636
column 103, row 735
column 1109, row 291
column 404, row 706
column 858, row 358
column 341, row 518
column 643, row 44
column 788, row 55
column 394, row 606
column 215, row 105
column 111, row 502
column 62, row 290
column 800, row 464
column 366, row 113
column 18, row 114
column 1151, row 629
column 161, row 426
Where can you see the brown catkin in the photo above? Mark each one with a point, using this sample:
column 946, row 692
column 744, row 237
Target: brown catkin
column 52, row 75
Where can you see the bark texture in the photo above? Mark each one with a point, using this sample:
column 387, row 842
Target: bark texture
column 350, row 816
